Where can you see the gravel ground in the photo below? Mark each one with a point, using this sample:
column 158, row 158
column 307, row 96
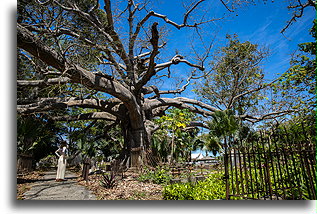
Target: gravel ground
column 49, row 189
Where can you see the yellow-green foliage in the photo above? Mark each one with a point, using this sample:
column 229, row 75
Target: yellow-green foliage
column 213, row 187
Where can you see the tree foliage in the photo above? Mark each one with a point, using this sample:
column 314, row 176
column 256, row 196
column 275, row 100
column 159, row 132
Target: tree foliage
column 236, row 79
column 297, row 86
column 36, row 137
column 173, row 138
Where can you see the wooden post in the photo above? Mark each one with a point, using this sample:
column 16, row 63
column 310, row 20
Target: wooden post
column 226, row 169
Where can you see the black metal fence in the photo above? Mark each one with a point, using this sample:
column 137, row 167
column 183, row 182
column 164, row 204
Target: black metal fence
column 277, row 165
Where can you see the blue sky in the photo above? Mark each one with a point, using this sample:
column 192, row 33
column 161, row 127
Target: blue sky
column 260, row 24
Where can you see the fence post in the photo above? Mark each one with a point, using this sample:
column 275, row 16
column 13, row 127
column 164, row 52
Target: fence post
column 226, row 163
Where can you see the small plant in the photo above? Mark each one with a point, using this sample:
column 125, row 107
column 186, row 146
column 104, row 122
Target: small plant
column 138, row 195
column 211, row 188
column 109, row 180
column 159, row 176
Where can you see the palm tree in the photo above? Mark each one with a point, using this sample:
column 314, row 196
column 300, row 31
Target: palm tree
column 223, row 127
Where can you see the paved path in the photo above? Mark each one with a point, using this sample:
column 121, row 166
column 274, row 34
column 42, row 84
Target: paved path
column 49, row 189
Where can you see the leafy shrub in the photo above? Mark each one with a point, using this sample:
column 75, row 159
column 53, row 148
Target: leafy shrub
column 109, row 180
column 159, row 176
column 213, row 187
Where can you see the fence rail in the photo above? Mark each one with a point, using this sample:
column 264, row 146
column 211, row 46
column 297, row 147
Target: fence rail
column 278, row 165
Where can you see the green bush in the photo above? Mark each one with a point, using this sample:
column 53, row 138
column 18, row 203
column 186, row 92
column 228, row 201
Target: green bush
column 159, row 176
column 213, row 187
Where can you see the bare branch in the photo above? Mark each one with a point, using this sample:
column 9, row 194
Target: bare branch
column 179, row 26
column 77, row 74
column 85, row 116
column 151, row 68
column 198, row 124
column 271, row 115
column 262, row 86
column 191, row 10
column 226, row 6
column 176, row 60
column 180, row 102
column 41, row 83
column 45, row 104
column 151, row 89
column 298, row 12
column 44, row 3
column 111, row 36
column 29, row 42
column 109, row 13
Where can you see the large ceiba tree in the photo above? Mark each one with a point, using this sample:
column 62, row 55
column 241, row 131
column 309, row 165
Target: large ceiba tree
column 93, row 47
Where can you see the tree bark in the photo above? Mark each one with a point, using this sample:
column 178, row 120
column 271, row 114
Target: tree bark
column 136, row 141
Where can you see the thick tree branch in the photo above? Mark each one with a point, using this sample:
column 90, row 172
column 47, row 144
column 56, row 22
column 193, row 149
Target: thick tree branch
column 176, row 60
column 151, row 68
column 86, row 116
column 180, row 102
column 198, row 124
column 31, row 43
column 108, row 10
column 151, row 89
column 63, row 31
column 108, row 31
column 45, row 104
column 77, row 74
column 42, row 83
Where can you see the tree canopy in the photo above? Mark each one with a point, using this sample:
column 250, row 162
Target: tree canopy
column 90, row 60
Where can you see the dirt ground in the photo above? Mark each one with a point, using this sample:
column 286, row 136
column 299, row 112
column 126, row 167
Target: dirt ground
column 127, row 188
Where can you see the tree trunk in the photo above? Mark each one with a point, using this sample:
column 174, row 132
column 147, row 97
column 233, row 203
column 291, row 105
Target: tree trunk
column 135, row 143
column 25, row 163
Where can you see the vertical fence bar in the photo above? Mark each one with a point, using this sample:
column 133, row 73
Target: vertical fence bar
column 250, row 172
column 241, row 170
column 265, row 173
column 226, row 170
column 273, row 171
column 245, row 172
column 306, row 160
column 279, row 170
column 267, row 167
column 291, row 145
column 260, row 165
column 257, row 191
column 236, row 171
column 310, row 178
column 286, row 164
column 312, row 156
column 303, row 166
column 231, row 190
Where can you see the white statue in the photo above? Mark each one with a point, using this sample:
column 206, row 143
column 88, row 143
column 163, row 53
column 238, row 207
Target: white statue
column 61, row 167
